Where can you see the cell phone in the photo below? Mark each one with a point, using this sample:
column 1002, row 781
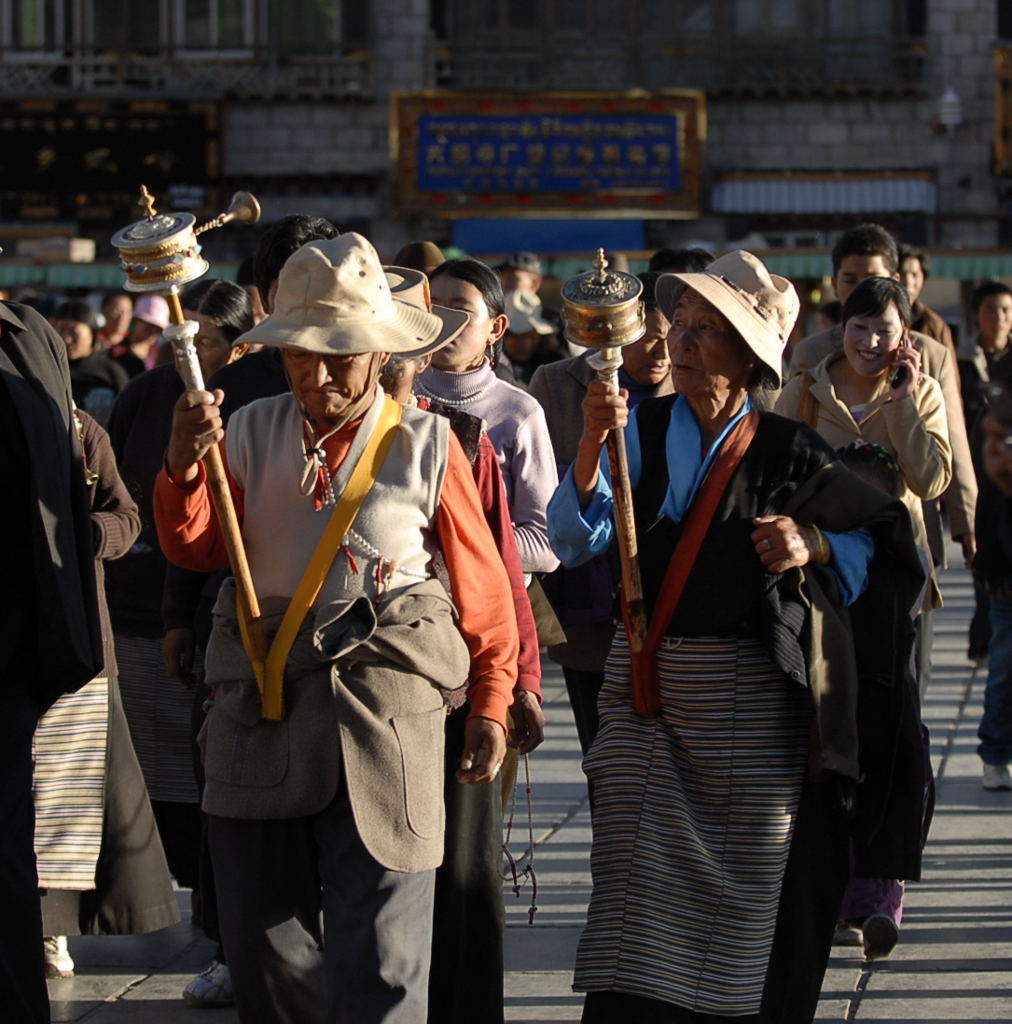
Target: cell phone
column 899, row 375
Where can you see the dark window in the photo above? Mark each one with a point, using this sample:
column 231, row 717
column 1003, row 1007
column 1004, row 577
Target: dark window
column 1004, row 19
column 775, row 46
column 126, row 25
column 38, row 24
column 305, row 26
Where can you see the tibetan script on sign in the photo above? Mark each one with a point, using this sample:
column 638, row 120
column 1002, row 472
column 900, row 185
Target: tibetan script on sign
column 464, row 153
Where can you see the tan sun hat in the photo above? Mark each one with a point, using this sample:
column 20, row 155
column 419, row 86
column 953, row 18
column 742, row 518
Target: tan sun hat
column 762, row 307
column 423, row 256
column 412, row 287
column 333, row 298
column 524, row 312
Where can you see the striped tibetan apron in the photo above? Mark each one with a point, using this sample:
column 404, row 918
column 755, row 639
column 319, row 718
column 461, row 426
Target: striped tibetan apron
column 159, row 711
column 693, row 817
column 68, row 784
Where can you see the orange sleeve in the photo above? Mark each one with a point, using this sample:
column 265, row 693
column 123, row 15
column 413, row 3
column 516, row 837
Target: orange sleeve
column 187, row 524
column 481, row 590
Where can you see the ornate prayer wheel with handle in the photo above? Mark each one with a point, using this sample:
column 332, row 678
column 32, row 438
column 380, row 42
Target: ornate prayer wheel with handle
column 602, row 308
column 160, row 253
column 603, row 311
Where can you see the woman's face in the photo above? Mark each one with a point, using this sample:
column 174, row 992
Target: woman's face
column 708, row 359
column 647, row 360
column 870, row 341
column 213, row 349
column 467, row 350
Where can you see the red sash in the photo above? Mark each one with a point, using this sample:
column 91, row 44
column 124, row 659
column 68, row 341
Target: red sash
column 645, row 691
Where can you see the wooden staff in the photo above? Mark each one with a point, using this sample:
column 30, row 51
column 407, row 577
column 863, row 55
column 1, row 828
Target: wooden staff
column 607, row 361
column 246, row 598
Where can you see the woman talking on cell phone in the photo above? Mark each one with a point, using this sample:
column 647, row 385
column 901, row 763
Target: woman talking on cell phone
column 874, row 391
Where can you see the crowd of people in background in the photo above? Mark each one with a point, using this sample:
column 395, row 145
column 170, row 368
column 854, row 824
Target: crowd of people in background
column 847, row 459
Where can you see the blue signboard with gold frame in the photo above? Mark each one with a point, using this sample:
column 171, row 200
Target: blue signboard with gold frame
column 603, row 154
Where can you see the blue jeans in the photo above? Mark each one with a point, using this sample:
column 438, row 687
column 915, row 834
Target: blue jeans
column 995, row 731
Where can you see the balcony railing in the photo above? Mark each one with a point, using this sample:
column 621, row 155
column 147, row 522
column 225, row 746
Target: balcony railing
column 248, row 75
column 734, row 66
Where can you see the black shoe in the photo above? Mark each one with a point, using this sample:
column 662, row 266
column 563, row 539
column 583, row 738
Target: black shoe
column 880, row 935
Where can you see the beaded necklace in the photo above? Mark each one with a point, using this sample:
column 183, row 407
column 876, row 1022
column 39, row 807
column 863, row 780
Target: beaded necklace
column 316, row 478
column 455, row 403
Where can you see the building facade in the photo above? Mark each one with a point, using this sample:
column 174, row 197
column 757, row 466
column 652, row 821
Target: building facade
column 819, row 112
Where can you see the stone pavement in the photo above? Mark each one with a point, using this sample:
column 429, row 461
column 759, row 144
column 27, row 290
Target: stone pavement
column 953, row 962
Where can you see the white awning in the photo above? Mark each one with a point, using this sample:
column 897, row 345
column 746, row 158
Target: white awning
column 788, row 194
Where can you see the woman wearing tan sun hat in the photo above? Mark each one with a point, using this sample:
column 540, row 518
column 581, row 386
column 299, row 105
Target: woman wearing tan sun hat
column 338, row 807
column 725, row 743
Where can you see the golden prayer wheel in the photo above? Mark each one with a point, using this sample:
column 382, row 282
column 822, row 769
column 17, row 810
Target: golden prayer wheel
column 602, row 309
column 161, row 251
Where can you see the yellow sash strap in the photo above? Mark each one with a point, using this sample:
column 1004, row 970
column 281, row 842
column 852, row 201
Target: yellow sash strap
column 363, row 476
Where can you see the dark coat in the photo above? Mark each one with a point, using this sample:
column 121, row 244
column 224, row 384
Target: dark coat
column 115, row 524
column 854, row 661
column 58, row 596
column 993, row 560
column 139, row 429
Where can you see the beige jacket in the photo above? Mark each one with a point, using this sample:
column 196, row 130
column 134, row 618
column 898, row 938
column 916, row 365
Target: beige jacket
column 913, row 430
column 936, row 362
column 363, row 701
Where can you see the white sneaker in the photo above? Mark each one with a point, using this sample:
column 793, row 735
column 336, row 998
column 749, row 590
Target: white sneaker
column 59, row 963
column 212, row 987
column 996, row 776
column 847, row 934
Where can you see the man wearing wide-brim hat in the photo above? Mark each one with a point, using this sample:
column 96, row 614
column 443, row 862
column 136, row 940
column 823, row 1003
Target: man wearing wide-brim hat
column 338, row 806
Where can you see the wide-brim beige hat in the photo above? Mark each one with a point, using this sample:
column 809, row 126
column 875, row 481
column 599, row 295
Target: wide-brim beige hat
column 333, row 298
column 762, row 307
column 423, row 256
column 412, row 287
column 524, row 312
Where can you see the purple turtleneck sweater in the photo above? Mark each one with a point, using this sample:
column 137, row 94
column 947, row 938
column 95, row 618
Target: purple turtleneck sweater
column 516, row 427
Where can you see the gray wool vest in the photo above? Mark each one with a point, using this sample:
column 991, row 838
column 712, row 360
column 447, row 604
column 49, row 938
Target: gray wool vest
column 391, row 542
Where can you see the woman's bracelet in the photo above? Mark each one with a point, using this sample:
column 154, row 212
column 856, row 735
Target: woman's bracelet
column 823, row 553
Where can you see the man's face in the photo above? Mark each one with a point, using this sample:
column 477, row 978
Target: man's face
column 77, row 336
column 994, row 321
column 514, row 280
column 912, row 277
column 117, row 312
column 647, row 360
column 333, row 390
column 854, row 269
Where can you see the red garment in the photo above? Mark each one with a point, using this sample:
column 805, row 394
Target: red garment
column 492, row 491
column 189, row 536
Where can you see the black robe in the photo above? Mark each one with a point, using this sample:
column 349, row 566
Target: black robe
column 50, row 635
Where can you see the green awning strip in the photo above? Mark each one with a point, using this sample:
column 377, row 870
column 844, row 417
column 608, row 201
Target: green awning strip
column 100, row 276
column 968, row 266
